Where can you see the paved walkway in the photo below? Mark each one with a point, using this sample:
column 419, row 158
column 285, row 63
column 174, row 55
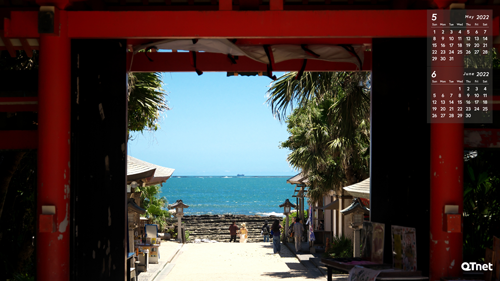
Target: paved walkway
column 312, row 260
column 168, row 249
column 251, row 261
column 226, row 261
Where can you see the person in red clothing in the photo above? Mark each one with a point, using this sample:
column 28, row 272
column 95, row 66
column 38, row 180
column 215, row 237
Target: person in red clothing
column 232, row 230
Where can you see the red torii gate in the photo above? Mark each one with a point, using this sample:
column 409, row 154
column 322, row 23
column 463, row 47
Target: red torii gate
column 276, row 23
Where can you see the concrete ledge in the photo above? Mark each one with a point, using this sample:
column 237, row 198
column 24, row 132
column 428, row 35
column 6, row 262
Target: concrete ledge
column 165, row 271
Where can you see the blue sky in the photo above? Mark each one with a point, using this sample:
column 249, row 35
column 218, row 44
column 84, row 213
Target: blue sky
column 217, row 125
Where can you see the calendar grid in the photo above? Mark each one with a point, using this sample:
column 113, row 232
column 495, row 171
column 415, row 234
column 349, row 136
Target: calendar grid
column 459, row 66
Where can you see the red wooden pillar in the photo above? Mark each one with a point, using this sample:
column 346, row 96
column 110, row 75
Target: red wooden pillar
column 446, row 189
column 447, row 161
column 53, row 235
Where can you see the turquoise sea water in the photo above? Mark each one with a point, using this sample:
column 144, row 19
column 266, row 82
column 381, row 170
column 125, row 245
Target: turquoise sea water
column 232, row 195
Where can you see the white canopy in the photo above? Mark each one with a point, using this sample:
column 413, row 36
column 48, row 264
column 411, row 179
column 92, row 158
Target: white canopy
column 332, row 53
column 360, row 189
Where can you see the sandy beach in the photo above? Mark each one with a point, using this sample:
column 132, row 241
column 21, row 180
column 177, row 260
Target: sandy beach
column 228, row 261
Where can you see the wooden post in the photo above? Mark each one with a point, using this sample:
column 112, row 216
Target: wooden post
column 356, row 242
column 286, row 228
column 341, row 217
column 179, row 228
column 54, row 86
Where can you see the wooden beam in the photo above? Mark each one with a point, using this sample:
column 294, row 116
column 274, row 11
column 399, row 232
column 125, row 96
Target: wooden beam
column 26, row 47
column 225, row 5
column 8, row 45
column 231, row 24
column 18, row 104
column 276, row 5
column 19, row 140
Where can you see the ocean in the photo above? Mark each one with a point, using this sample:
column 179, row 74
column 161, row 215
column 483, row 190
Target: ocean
column 207, row 195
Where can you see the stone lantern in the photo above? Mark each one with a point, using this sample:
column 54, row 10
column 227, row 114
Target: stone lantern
column 287, row 207
column 358, row 211
column 179, row 207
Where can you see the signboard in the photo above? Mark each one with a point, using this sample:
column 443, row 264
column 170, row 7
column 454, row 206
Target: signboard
column 404, row 248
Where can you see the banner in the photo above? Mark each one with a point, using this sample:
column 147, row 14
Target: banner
column 310, row 222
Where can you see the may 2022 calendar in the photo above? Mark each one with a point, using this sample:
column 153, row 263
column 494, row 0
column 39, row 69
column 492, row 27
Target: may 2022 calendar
column 459, row 69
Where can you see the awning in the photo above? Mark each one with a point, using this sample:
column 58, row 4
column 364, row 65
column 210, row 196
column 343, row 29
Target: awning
column 356, row 205
column 360, row 189
column 332, row 206
column 138, row 170
column 133, row 207
column 297, row 179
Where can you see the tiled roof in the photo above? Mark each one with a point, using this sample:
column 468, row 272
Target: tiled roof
column 356, row 205
column 297, row 179
column 155, row 174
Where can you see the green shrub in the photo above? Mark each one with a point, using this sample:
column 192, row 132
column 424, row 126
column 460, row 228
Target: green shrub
column 340, row 247
column 23, row 277
column 154, row 205
column 294, row 215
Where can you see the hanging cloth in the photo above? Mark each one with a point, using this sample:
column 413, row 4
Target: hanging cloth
column 351, row 51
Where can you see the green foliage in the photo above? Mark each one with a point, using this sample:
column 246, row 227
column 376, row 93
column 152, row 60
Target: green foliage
column 294, row 215
column 496, row 60
column 20, row 62
column 23, row 277
column 154, row 205
column 481, row 204
column 173, row 232
column 340, row 247
column 329, row 131
column 147, row 100
column 17, row 224
column 186, row 235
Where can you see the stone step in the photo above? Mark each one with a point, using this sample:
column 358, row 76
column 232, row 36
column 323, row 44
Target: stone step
column 216, row 227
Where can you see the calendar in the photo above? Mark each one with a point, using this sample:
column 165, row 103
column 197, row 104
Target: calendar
column 459, row 69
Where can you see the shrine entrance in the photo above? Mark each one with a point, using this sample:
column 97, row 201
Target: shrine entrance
column 86, row 49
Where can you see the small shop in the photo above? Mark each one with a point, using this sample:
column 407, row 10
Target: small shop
column 367, row 262
column 369, row 265
column 143, row 239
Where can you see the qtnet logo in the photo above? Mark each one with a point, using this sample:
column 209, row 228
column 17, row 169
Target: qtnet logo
column 472, row 266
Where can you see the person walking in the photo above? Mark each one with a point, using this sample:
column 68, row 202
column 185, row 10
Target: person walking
column 265, row 232
column 276, row 228
column 290, row 228
column 232, row 231
column 243, row 233
column 298, row 230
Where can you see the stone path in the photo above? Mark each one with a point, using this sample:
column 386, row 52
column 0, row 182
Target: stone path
column 167, row 251
column 227, row 261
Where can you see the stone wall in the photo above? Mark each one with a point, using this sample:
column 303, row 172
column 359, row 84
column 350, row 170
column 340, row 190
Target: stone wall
column 216, row 227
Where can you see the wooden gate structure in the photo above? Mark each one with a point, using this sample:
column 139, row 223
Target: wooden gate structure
column 84, row 54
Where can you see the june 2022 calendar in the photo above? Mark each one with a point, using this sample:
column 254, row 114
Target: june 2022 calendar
column 459, row 69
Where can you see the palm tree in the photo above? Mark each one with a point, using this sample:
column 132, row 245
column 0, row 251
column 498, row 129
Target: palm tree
column 154, row 204
column 147, row 100
column 329, row 129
